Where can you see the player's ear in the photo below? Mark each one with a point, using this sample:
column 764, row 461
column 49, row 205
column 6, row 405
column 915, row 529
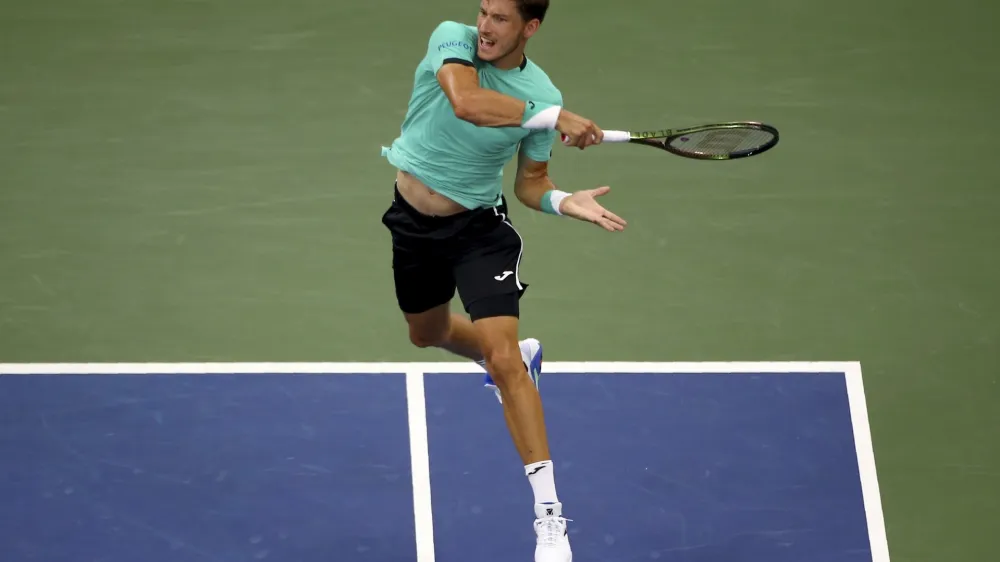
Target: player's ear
column 531, row 27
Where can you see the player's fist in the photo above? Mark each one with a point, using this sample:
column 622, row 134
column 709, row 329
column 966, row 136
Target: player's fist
column 578, row 131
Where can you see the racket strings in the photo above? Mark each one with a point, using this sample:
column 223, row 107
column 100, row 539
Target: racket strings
column 721, row 142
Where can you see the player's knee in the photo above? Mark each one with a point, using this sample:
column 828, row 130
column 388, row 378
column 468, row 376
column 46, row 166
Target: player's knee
column 429, row 328
column 504, row 363
column 427, row 337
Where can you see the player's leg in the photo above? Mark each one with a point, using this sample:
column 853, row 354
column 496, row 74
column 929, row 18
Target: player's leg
column 440, row 327
column 424, row 281
column 496, row 322
column 522, row 404
column 489, row 284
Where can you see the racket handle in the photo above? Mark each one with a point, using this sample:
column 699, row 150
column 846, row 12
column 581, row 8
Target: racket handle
column 617, row 136
column 609, row 136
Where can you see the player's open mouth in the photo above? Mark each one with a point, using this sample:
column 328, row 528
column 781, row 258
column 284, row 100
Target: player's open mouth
column 485, row 43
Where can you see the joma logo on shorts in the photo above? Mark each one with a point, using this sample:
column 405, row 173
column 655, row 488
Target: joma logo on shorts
column 461, row 44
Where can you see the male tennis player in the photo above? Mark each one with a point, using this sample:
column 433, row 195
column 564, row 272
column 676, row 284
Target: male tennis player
column 476, row 102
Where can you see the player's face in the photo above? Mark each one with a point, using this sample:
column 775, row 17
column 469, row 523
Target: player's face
column 501, row 29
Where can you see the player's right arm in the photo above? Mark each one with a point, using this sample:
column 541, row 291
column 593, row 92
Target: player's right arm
column 488, row 108
column 480, row 106
column 452, row 50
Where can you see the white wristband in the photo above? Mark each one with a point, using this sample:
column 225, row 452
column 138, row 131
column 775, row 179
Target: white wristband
column 544, row 119
column 556, row 199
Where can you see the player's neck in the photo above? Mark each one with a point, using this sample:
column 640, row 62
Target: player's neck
column 512, row 60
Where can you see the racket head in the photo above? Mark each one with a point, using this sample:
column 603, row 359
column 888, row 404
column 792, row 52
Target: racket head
column 719, row 141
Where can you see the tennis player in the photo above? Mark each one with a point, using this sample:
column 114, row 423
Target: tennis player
column 478, row 101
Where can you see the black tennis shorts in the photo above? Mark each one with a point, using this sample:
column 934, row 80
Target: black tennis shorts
column 476, row 252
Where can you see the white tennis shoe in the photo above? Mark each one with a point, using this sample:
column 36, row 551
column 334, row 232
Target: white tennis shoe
column 552, row 544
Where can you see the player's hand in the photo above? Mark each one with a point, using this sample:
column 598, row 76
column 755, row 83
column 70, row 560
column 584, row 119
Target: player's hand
column 583, row 205
column 578, row 131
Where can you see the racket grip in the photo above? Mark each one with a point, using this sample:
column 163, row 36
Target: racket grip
column 617, row 136
column 609, row 136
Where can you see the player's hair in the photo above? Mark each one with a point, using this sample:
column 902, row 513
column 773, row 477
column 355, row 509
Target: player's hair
column 532, row 9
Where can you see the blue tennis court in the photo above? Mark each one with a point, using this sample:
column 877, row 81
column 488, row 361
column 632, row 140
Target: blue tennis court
column 358, row 462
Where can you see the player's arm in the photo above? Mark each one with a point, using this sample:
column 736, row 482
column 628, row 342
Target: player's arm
column 481, row 106
column 484, row 107
column 452, row 51
column 532, row 183
column 534, row 188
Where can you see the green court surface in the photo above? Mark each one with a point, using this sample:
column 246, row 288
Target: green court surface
column 201, row 181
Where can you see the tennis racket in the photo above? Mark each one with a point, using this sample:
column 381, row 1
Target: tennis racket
column 719, row 141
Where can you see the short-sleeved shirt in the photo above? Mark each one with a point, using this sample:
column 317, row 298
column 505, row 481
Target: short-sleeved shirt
column 460, row 160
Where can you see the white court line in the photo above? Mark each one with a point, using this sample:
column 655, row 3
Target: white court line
column 865, row 452
column 423, row 517
column 400, row 368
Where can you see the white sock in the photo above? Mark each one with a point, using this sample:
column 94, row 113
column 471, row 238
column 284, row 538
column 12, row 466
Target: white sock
column 541, row 476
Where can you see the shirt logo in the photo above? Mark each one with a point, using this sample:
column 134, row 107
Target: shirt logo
column 450, row 44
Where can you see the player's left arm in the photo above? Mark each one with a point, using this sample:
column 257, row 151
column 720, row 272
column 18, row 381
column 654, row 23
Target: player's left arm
column 535, row 189
column 532, row 181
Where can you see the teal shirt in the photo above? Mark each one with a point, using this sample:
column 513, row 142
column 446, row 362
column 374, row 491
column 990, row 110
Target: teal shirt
column 454, row 157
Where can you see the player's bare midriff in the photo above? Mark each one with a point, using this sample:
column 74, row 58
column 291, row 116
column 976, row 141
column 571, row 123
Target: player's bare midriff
column 424, row 199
